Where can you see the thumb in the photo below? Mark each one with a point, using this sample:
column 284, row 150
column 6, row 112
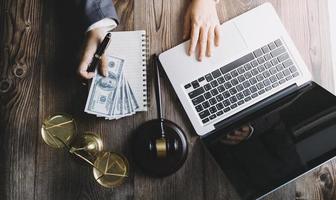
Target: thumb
column 89, row 50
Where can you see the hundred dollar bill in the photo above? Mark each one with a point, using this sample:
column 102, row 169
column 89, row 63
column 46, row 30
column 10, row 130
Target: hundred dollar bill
column 133, row 100
column 103, row 89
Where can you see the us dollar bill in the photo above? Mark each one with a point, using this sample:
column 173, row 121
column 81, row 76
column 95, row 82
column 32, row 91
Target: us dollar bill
column 103, row 90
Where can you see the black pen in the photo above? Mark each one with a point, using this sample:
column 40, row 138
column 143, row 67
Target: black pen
column 100, row 51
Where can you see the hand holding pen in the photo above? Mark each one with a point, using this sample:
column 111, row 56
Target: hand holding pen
column 93, row 55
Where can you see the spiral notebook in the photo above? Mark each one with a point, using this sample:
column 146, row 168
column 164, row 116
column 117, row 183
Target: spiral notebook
column 132, row 46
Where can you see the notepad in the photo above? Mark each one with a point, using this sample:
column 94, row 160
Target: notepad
column 132, row 46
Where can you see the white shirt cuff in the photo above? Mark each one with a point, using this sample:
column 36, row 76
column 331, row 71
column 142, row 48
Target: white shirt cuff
column 107, row 24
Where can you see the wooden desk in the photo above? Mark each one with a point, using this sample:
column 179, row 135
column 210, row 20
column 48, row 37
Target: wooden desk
column 39, row 41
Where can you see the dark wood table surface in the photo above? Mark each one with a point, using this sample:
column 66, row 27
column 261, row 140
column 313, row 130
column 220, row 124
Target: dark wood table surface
column 40, row 41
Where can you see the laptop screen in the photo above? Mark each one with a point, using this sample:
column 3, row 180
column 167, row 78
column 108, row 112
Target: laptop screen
column 289, row 138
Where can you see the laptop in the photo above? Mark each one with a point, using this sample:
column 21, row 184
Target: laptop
column 256, row 82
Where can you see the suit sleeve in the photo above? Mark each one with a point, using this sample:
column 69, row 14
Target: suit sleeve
column 96, row 10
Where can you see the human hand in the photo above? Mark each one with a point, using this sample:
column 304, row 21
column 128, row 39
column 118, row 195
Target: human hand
column 202, row 24
column 238, row 135
column 93, row 38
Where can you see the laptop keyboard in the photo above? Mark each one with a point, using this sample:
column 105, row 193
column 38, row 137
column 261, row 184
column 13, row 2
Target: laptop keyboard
column 234, row 84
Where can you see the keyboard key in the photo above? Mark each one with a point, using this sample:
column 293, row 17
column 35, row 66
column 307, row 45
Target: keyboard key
column 289, row 77
column 234, row 82
column 257, row 53
column 226, row 94
column 198, row 100
column 214, row 83
column 260, row 86
column 267, row 82
column 201, row 79
column 280, row 75
column 268, row 88
column 254, row 63
column 286, row 72
column 240, row 96
column 247, row 66
column 296, row 74
column 273, row 79
column 278, row 42
column 248, row 75
column 207, row 87
column 268, row 57
column 241, row 78
column 227, row 109
column 265, row 49
column 261, row 92
column 254, row 95
column 240, row 87
column 278, row 51
column 255, row 72
column 260, row 77
column 271, row 46
column 266, row 74
column 246, row 84
column 219, row 97
column 233, row 91
column 241, row 102
column 207, row 95
column 247, row 99
column 212, row 117
column 221, row 80
column 247, row 92
column 219, row 106
column 274, row 61
column 221, row 89
column 219, row 113
column 233, row 99
column 261, row 60
column 226, row 103
column 282, row 81
column 187, row 86
column 273, row 70
column 287, row 63
column 253, row 89
column 227, row 85
column 279, row 67
column 275, row 85
column 283, row 57
column 261, row 68
column 199, row 108
column 206, row 104
column 212, row 101
column 208, row 77
column 267, row 65
column 234, row 73
column 205, row 120
column 227, row 77
column 196, row 92
column 214, row 92
column 241, row 70
column 213, row 109
column 204, row 114
column 253, row 80
column 195, row 84
column 292, row 69
column 216, row 73
column 233, row 106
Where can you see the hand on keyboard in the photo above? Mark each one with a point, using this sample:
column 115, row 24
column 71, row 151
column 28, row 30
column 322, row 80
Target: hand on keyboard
column 202, row 24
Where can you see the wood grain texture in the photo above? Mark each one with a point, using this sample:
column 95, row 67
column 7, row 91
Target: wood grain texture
column 40, row 41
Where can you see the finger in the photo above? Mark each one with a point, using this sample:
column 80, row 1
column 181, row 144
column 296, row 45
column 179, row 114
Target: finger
column 186, row 30
column 210, row 41
column 103, row 65
column 86, row 58
column 194, row 38
column 202, row 42
column 217, row 35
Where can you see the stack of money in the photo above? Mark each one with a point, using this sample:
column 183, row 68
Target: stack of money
column 111, row 97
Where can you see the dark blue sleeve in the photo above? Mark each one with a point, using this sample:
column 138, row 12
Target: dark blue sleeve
column 95, row 10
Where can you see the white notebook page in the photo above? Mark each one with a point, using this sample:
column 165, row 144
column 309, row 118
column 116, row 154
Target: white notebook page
column 129, row 45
